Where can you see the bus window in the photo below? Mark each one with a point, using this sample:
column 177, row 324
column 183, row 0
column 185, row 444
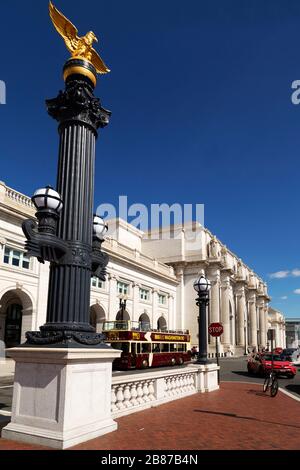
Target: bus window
column 146, row 348
column 173, row 347
column 138, row 348
column 156, row 348
column 133, row 348
column 181, row 347
column 165, row 347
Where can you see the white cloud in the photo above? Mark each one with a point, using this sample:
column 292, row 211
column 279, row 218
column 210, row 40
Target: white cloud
column 297, row 291
column 279, row 275
column 296, row 272
column 284, row 297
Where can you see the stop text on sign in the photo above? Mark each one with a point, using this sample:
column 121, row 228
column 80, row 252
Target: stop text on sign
column 215, row 329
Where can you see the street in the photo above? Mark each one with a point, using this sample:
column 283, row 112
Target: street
column 232, row 370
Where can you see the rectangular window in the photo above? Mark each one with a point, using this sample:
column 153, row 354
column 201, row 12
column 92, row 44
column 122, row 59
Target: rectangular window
column 123, row 288
column 97, row 283
column 144, row 295
column 146, row 348
column 156, row 348
column 16, row 258
column 162, row 299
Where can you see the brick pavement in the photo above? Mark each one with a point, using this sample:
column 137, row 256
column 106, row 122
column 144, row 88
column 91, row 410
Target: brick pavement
column 239, row 416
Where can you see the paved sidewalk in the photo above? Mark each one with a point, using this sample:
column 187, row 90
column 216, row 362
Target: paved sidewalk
column 239, row 416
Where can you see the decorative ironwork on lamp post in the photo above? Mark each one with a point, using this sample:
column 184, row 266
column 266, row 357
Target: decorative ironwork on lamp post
column 202, row 286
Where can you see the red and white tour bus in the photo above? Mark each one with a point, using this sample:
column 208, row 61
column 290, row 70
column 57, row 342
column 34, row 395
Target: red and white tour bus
column 143, row 347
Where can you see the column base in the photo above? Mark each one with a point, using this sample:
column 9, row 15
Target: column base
column 61, row 397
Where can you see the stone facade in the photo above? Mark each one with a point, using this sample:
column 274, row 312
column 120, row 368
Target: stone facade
column 239, row 298
column 156, row 274
column 276, row 322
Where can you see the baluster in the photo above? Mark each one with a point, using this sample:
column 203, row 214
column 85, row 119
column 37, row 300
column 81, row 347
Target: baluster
column 151, row 390
column 134, row 395
column 120, row 397
column 146, row 392
column 193, row 382
column 127, row 397
column 177, row 385
column 113, row 399
column 140, row 393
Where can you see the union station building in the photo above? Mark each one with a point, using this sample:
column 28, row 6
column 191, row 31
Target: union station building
column 154, row 271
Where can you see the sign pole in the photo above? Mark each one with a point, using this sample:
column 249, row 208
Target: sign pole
column 217, row 354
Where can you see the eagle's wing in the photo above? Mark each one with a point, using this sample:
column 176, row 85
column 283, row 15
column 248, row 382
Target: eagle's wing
column 98, row 63
column 64, row 27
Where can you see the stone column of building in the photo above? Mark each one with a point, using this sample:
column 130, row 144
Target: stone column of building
column 262, row 325
column 241, row 313
column 171, row 319
column 214, row 276
column 113, row 306
column 154, row 308
column 225, row 313
column 252, row 318
column 135, row 301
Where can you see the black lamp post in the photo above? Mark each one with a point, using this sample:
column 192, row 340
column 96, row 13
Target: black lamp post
column 202, row 286
column 123, row 304
column 67, row 235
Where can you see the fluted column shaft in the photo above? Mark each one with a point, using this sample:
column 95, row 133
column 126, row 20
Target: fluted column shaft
column 241, row 308
column 253, row 321
column 69, row 285
column 215, row 298
column 262, row 327
column 225, row 313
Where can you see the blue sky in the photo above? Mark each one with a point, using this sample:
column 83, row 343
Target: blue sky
column 201, row 98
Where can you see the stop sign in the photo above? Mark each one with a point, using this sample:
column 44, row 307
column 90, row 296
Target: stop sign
column 215, row 329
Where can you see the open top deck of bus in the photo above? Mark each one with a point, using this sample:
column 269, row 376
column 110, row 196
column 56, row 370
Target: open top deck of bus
column 138, row 326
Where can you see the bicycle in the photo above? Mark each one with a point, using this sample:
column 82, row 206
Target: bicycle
column 271, row 383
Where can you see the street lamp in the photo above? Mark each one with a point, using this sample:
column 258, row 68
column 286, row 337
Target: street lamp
column 123, row 303
column 202, row 286
column 67, row 235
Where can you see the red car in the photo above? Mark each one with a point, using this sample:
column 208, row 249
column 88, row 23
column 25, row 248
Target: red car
column 262, row 363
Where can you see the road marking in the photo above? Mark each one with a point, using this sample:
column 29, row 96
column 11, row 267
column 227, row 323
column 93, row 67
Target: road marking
column 7, row 386
column 289, row 394
column 5, row 413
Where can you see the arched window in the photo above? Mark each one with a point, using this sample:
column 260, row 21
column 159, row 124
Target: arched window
column 144, row 320
column 162, row 324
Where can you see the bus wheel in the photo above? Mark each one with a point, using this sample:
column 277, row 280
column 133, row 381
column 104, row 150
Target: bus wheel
column 145, row 364
column 180, row 361
column 173, row 361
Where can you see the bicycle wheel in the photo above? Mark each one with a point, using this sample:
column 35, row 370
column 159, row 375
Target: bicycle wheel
column 266, row 384
column 274, row 387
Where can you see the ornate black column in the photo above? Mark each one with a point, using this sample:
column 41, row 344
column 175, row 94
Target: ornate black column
column 80, row 115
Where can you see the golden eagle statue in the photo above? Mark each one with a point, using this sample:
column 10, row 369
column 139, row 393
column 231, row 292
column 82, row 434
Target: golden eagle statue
column 81, row 48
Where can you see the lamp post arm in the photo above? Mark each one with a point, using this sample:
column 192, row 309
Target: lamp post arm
column 99, row 260
column 43, row 246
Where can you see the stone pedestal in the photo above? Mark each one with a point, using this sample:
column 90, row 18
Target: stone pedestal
column 207, row 378
column 61, row 396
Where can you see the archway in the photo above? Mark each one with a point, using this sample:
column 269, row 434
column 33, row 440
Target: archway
column 144, row 320
column 162, row 324
column 97, row 317
column 15, row 317
column 123, row 315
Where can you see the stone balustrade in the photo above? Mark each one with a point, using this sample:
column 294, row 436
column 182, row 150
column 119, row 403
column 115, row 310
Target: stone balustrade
column 135, row 392
column 18, row 198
